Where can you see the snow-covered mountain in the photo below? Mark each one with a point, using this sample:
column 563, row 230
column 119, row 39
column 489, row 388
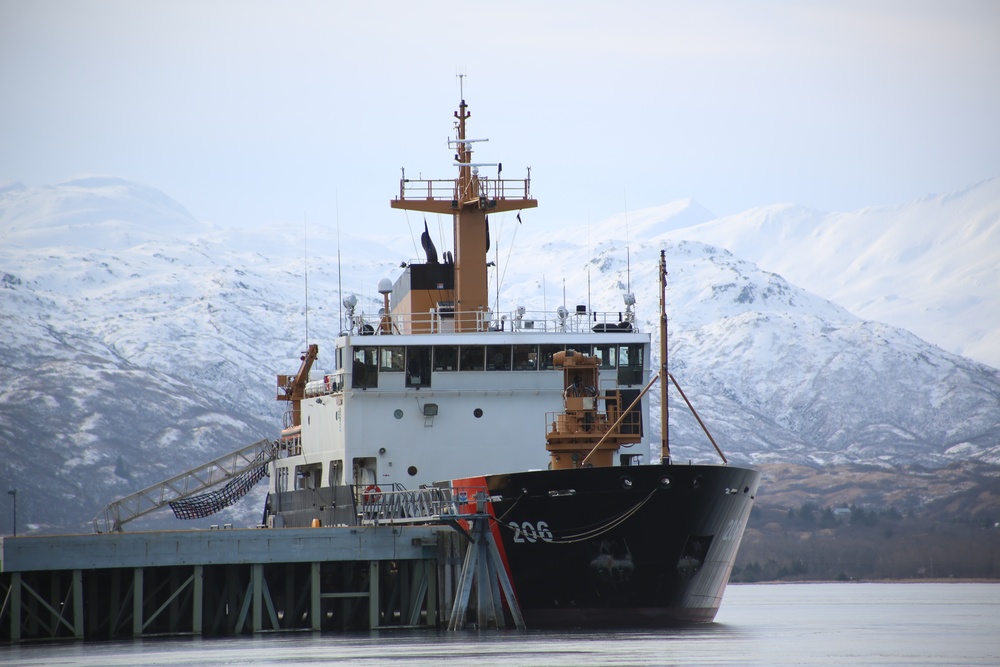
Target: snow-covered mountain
column 138, row 342
column 930, row 266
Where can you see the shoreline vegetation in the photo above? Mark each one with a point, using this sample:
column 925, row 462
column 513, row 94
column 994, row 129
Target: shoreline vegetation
column 856, row 522
column 810, row 543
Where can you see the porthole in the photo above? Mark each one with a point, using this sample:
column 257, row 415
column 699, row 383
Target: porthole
column 626, row 482
column 412, row 471
column 665, row 482
column 478, row 412
column 398, row 414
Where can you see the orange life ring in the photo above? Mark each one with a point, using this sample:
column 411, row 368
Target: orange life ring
column 371, row 494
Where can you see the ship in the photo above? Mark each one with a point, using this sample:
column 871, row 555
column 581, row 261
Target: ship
column 542, row 417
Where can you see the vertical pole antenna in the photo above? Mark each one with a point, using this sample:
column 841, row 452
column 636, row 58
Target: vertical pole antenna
column 305, row 270
column 340, row 282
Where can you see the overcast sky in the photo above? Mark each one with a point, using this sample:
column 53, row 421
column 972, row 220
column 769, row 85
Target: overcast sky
column 252, row 113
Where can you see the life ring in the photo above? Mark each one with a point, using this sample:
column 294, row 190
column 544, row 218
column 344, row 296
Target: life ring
column 372, row 494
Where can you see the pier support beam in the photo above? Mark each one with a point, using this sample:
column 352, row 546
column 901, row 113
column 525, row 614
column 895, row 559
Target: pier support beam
column 373, row 595
column 15, row 607
column 483, row 569
column 138, row 596
column 315, row 590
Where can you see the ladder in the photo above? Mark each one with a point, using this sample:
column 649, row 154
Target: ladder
column 186, row 485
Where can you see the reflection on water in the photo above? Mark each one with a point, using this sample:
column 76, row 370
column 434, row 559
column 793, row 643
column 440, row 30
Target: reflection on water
column 796, row 624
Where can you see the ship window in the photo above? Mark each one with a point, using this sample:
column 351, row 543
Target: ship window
column 606, row 355
column 418, row 366
column 630, row 364
column 446, row 358
column 525, row 357
column 472, row 357
column 365, row 369
column 498, row 357
column 545, row 353
column 390, row 359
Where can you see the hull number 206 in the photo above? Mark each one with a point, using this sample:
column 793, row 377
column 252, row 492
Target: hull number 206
column 531, row 532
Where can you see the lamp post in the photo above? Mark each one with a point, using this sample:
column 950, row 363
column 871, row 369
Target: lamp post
column 13, row 492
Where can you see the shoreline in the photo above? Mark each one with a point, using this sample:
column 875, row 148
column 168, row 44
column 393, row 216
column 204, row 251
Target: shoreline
column 940, row 580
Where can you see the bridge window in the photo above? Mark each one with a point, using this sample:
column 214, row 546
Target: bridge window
column 446, row 358
column 630, row 364
column 545, row 353
column 606, row 354
column 364, row 373
column 418, row 366
column 391, row 359
column 498, row 357
column 525, row 357
column 472, row 357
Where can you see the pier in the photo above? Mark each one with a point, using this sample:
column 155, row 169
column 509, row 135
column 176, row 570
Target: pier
column 403, row 567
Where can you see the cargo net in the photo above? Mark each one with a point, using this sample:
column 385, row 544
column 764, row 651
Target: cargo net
column 207, row 504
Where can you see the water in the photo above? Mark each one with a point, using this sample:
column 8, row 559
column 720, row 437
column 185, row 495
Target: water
column 798, row 624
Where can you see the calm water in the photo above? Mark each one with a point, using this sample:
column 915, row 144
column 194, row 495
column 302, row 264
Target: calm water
column 800, row 624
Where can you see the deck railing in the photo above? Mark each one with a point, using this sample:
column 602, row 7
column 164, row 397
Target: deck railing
column 435, row 321
column 424, row 505
column 446, row 189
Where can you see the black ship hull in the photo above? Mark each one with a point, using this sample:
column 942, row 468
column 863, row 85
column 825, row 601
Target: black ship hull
column 634, row 546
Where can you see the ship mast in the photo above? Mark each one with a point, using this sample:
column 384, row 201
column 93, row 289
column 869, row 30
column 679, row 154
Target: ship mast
column 470, row 199
column 664, row 374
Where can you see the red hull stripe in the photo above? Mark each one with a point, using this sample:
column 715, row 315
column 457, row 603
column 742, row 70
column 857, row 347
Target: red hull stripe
column 470, row 507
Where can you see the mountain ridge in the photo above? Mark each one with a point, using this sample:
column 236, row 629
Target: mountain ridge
column 138, row 345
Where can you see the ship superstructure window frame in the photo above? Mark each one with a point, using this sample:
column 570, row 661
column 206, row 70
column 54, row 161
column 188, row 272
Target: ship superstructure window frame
column 525, row 357
column 608, row 355
column 545, row 353
column 364, row 370
column 471, row 357
column 391, row 358
column 446, row 358
column 630, row 363
column 498, row 357
column 418, row 366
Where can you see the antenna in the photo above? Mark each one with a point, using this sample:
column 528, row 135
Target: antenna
column 545, row 307
column 305, row 269
column 461, row 85
column 496, row 265
column 590, row 258
column 340, row 282
column 628, row 252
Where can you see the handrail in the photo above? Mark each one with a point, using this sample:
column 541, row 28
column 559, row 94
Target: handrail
column 424, row 505
column 525, row 321
column 444, row 189
column 185, row 485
